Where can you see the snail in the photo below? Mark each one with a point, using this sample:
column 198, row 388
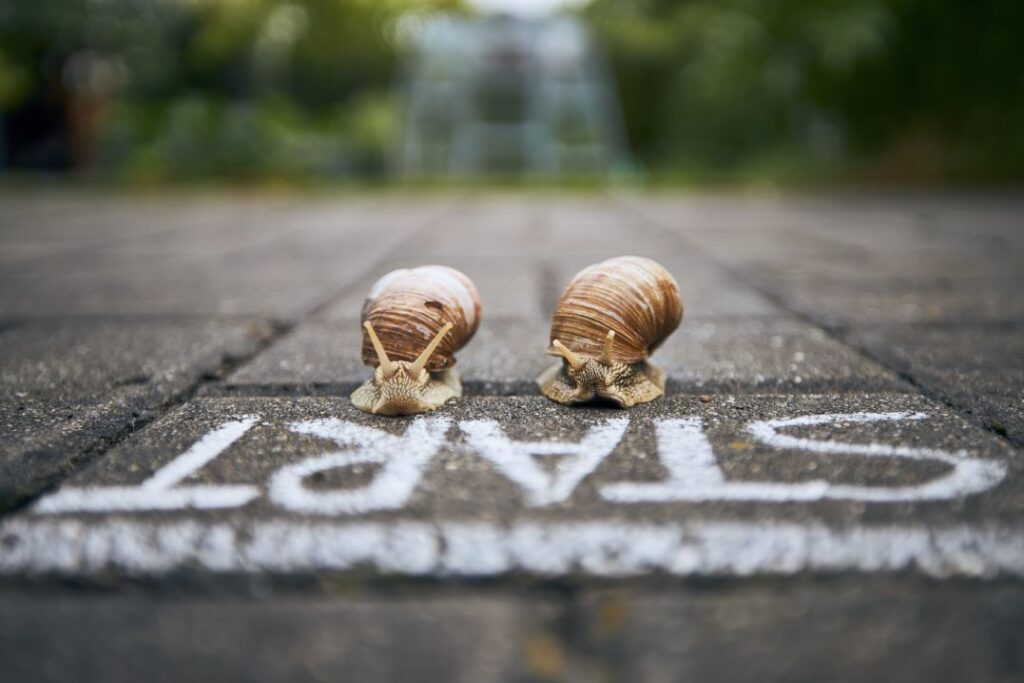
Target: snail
column 414, row 320
column 609, row 319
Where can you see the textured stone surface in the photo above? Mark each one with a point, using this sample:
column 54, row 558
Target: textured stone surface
column 509, row 288
column 67, row 385
column 847, row 631
column 980, row 368
column 316, row 638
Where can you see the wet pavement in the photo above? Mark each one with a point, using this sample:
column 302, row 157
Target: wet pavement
column 830, row 490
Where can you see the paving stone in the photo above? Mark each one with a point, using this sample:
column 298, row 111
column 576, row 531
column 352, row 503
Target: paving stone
column 758, row 503
column 59, row 219
column 505, row 357
column 313, row 354
column 66, row 385
column 939, row 263
column 757, row 354
column 250, row 296
column 510, row 288
column 130, row 638
column 978, row 367
column 275, row 260
column 838, row 302
column 849, row 631
column 538, row 227
column 708, row 291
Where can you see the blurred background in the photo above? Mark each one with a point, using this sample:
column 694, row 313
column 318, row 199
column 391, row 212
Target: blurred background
column 386, row 91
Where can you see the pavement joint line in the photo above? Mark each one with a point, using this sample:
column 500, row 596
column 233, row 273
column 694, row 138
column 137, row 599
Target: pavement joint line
column 342, row 291
column 894, row 365
column 474, row 388
column 13, row 322
column 87, row 248
column 96, row 449
column 526, row 387
column 384, row 257
column 836, row 332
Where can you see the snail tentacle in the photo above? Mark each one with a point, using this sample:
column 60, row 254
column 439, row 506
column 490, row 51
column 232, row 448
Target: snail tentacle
column 563, row 350
column 606, row 352
column 385, row 362
column 421, row 361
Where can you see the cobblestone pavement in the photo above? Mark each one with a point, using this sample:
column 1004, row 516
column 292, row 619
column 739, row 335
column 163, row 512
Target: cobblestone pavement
column 831, row 490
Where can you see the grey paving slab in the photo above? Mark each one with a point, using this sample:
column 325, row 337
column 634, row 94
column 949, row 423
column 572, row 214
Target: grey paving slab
column 928, row 263
column 748, row 354
column 313, row 354
column 130, row 638
column 842, row 302
column 506, row 356
column 849, row 631
column 726, row 485
column 266, row 258
column 510, row 288
column 539, row 227
column 979, row 367
column 522, row 255
column 64, row 386
column 708, row 291
column 251, row 295
column 56, row 219
column 868, row 235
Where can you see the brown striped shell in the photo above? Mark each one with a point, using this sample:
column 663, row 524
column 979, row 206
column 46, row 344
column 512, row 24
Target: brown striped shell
column 633, row 296
column 409, row 306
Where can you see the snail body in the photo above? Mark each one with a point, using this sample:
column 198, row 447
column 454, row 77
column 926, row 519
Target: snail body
column 414, row 320
column 609, row 320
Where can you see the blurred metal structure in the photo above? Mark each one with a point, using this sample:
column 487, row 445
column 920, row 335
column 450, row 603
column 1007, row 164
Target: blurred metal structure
column 508, row 95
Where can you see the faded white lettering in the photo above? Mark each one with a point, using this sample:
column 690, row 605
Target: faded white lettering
column 515, row 459
column 162, row 491
column 402, row 459
column 694, row 474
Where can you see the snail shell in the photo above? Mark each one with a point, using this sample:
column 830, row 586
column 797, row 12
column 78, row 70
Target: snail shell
column 634, row 297
column 409, row 307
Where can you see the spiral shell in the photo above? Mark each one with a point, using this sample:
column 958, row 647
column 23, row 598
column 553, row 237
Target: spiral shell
column 633, row 296
column 409, row 306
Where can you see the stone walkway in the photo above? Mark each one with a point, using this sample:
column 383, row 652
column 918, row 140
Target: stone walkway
column 831, row 489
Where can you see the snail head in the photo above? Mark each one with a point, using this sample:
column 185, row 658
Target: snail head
column 584, row 378
column 401, row 387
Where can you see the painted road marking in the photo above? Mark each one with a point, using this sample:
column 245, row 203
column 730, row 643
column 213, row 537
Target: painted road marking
column 162, row 491
column 694, row 473
column 611, row 549
column 515, row 459
column 403, row 459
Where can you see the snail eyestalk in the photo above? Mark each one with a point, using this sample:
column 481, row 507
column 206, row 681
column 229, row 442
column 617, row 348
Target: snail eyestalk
column 575, row 361
column 424, row 358
column 606, row 352
column 385, row 362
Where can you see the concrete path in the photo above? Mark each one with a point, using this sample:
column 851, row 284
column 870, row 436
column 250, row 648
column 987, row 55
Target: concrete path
column 831, row 490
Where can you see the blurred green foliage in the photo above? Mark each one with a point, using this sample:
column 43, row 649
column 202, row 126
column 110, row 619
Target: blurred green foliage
column 223, row 88
column 883, row 90
column 909, row 90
